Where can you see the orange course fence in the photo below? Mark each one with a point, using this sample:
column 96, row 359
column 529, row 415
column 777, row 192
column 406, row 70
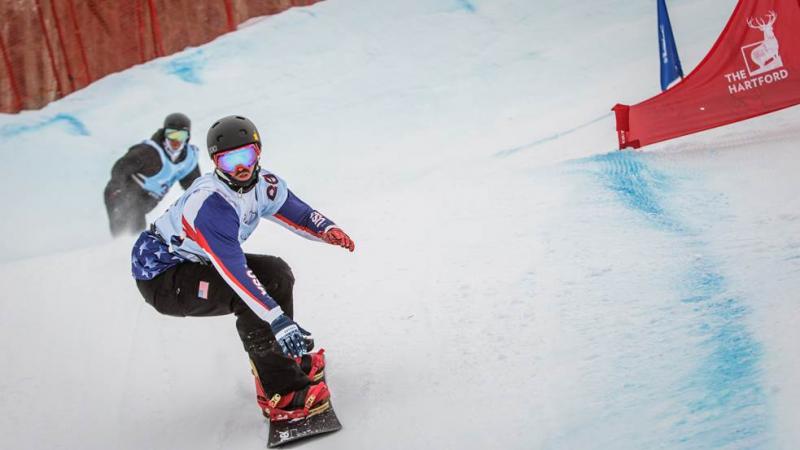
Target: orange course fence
column 50, row 48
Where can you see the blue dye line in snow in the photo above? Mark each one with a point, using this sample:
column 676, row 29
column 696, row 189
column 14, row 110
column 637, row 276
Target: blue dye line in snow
column 305, row 11
column 729, row 403
column 467, row 5
column 726, row 404
column 637, row 186
column 73, row 126
column 188, row 67
column 510, row 151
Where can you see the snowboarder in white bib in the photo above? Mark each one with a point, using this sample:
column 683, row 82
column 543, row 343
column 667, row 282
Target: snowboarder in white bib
column 191, row 263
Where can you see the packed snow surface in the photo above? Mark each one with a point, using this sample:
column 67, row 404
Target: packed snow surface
column 517, row 283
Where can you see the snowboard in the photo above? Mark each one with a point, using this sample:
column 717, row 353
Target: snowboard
column 285, row 432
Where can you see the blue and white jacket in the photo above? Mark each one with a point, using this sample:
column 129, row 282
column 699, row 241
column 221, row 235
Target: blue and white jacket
column 208, row 224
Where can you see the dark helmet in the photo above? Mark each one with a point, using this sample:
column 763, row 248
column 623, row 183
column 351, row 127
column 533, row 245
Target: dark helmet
column 178, row 121
column 228, row 133
column 231, row 132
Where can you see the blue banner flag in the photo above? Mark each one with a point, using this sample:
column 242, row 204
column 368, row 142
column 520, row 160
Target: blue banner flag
column 670, row 63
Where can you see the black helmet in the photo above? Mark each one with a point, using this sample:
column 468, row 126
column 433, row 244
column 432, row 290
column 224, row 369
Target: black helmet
column 231, row 132
column 177, row 121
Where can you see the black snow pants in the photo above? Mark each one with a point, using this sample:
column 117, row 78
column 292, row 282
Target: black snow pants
column 127, row 206
column 197, row 290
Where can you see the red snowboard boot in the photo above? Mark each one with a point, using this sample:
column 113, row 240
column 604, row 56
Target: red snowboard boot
column 306, row 402
column 313, row 365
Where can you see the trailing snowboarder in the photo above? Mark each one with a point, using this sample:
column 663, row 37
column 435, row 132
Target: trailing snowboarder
column 191, row 263
column 142, row 177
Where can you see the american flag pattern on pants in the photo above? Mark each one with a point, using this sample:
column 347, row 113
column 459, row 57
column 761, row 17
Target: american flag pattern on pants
column 150, row 257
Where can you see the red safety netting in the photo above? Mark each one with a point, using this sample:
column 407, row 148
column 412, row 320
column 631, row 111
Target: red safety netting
column 50, row 48
column 752, row 69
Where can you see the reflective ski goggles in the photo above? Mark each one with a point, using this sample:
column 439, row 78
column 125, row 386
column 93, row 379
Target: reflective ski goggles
column 243, row 156
column 176, row 135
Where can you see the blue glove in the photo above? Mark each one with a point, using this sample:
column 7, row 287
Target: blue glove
column 289, row 336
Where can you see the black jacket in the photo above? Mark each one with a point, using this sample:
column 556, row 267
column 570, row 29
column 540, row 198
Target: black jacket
column 144, row 159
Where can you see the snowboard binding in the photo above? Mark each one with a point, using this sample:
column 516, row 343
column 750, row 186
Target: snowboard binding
column 307, row 402
column 313, row 365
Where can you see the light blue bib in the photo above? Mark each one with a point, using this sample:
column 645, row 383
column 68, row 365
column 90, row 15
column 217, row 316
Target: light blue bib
column 170, row 172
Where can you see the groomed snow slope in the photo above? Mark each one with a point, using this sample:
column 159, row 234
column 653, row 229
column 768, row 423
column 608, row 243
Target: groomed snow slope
column 516, row 284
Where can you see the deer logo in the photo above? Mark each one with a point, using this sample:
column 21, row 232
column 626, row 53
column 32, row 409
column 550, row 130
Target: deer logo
column 762, row 56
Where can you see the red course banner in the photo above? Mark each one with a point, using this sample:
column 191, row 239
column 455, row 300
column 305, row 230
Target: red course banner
column 752, row 69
